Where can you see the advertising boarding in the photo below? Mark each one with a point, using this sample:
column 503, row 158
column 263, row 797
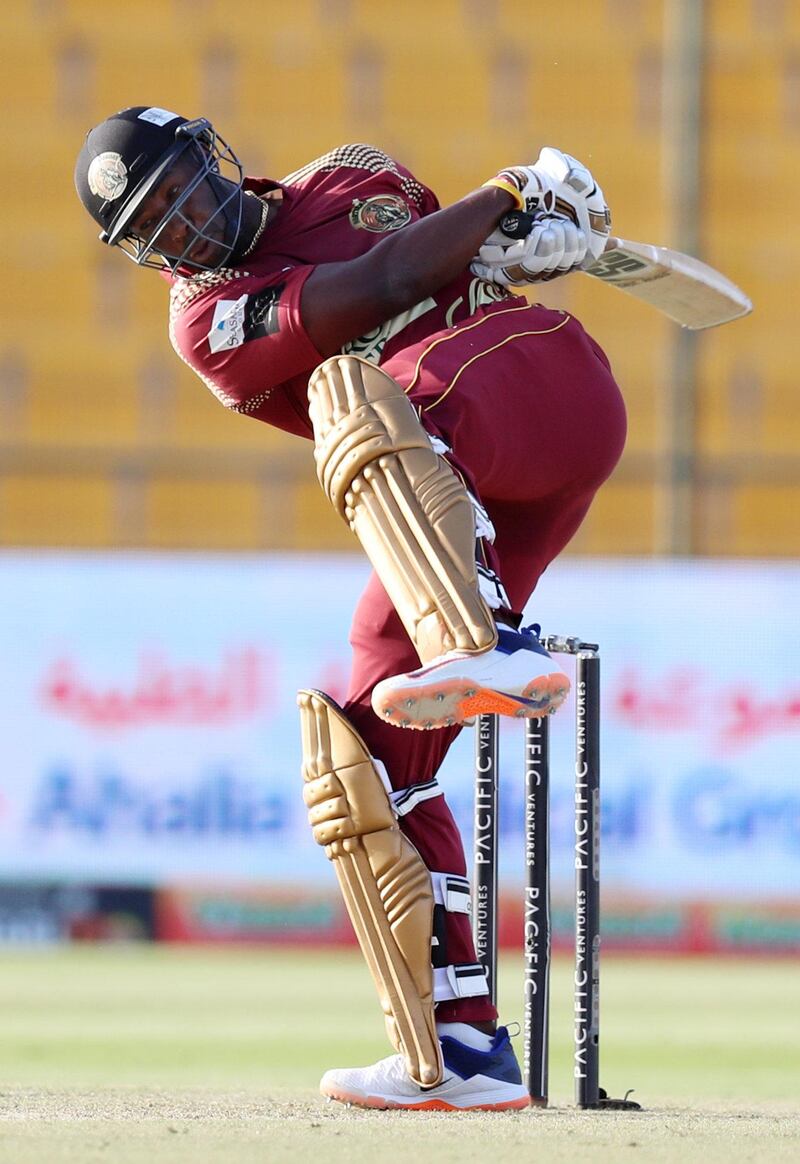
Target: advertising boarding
column 150, row 738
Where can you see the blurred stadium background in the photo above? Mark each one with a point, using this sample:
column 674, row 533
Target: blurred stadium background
column 171, row 572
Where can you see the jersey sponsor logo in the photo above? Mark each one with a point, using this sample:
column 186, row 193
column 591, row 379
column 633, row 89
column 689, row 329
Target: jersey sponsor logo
column 227, row 325
column 107, row 176
column 381, row 213
column 237, row 321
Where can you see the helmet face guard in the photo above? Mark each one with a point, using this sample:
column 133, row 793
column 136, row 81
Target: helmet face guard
column 125, row 159
column 216, row 164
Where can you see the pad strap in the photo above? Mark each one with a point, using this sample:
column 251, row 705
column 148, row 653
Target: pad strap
column 465, row 981
column 452, row 892
column 406, row 799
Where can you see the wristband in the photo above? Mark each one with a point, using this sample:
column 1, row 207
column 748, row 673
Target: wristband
column 503, row 183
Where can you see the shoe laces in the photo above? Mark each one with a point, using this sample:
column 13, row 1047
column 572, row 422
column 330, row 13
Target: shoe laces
column 534, row 630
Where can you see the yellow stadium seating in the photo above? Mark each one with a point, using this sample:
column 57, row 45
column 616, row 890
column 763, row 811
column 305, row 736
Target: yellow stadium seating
column 622, row 516
column 747, row 394
column 82, row 401
column 607, row 25
column 737, row 27
column 764, row 520
column 455, row 90
column 215, row 514
column 316, row 525
column 57, row 509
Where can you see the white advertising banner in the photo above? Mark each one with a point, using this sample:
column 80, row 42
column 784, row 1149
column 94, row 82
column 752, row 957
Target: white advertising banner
column 149, row 735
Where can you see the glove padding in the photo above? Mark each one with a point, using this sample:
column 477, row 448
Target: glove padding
column 559, row 185
column 554, row 246
column 577, row 196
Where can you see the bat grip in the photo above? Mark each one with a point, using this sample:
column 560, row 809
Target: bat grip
column 519, row 224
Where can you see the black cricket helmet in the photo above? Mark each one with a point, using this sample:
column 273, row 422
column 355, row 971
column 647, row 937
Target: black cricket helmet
column 127, row 156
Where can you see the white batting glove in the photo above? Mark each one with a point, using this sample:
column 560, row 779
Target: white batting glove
column 559, row 184
column 577, row 196
column 553, row 247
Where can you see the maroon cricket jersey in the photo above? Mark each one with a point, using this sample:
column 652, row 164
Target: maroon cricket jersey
column 524, row 400
column 241, row 328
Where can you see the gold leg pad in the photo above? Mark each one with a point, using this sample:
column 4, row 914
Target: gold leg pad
column 386, row 887
column 404, row 503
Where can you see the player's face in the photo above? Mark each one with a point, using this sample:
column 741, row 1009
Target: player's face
column 180, row 210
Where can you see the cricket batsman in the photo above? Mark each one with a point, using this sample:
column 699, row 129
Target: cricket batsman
column 460, row 432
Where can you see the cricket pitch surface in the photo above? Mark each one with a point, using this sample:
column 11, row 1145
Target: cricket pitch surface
column 148, row 1055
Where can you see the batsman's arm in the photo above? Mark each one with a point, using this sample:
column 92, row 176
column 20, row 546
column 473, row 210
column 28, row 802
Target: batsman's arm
column 343, row 300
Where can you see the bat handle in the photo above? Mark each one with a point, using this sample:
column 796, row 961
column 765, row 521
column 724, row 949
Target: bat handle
column 519, row 224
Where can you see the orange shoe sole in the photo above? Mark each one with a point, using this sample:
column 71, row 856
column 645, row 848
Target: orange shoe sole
column 449, row 704
column 381, row 1104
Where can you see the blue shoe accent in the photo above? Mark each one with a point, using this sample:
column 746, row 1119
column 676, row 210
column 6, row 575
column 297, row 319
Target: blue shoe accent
column 509, row 641
column 524, row 701
column 499, row 1062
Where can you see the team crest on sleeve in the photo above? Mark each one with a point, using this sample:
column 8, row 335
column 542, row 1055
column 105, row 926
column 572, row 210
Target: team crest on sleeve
column 381, row 213
column 107, row 176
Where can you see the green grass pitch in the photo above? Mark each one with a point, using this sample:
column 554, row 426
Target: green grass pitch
column 128, row 1053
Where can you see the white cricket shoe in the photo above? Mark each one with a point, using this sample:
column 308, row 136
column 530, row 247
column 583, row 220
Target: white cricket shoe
column 473, row 1081
column 516, row 678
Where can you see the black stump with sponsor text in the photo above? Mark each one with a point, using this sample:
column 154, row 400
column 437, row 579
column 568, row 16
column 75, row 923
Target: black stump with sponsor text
column 537, row 923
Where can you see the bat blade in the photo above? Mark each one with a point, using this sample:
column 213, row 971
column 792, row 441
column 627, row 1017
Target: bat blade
column 688, row 291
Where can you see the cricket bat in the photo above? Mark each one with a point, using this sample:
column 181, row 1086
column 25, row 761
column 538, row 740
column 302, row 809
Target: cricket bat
column 688, row 291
